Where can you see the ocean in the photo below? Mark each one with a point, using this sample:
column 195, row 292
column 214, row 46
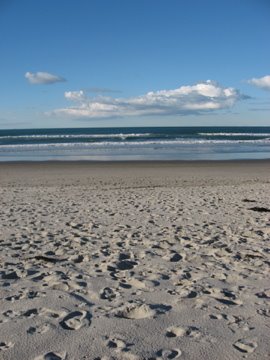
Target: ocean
column 137, row 143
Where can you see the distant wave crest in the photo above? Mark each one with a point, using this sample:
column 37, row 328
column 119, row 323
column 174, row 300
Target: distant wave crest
column 108, row 144
column 234, row 134
column 75, row 136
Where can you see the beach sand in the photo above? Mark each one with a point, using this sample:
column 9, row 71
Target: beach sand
column 142, row 260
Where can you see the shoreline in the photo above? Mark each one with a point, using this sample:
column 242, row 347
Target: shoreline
column 135, row 173
column 132, row 161
column 135, row 163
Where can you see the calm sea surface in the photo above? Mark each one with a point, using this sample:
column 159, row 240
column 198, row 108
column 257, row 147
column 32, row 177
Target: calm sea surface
column 140, row 143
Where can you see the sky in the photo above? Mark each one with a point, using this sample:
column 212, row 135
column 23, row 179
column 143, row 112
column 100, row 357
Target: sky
column 106, row 63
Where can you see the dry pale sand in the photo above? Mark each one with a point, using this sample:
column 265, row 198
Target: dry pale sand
column 135, row 261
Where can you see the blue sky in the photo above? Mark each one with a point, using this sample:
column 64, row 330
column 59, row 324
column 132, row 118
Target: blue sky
column 127, row 63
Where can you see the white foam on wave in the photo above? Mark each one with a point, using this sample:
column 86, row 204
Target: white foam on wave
column 108, row 144
column 234, row 134
column 74, row 136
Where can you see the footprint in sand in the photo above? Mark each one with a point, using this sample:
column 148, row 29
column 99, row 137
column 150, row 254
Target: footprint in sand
column 175, row 331
column 49, row 313
column 228, row 302
column 136, row 283
column 30, row 313
column 125, row 265
column 168, row 354
column 135, row 311
column 39, row 329
column 15, row 297
column 265, row 294
column 124, row 356
column 5, row 345
column 12, row 275
column 117, row 344
column 109, row 294
column 140, row 310
column 10, row 314
column 53, row 356
column 193, row 332
column 245, row 345
column 76, row 320
column 61, row 286
column 264, row 312
column 178, row 331
column 216, row 316
column 176, row 257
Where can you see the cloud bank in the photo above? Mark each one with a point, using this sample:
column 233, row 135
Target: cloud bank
column 262, row 83
column 195, row 99
column 43, row 78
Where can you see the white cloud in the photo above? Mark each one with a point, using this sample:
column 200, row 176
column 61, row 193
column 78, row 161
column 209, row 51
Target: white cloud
column 263, row 82
column 75, row 95
column 43, row 78
column 194, row 99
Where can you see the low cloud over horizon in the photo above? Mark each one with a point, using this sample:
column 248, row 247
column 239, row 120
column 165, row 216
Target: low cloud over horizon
column 262, row 83
column 43, row 78
column 191, row 99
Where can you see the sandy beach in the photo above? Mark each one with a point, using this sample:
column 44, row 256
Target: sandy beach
column 141, row 260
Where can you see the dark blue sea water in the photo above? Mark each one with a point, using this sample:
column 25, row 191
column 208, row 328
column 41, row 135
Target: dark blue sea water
column 139, row 143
